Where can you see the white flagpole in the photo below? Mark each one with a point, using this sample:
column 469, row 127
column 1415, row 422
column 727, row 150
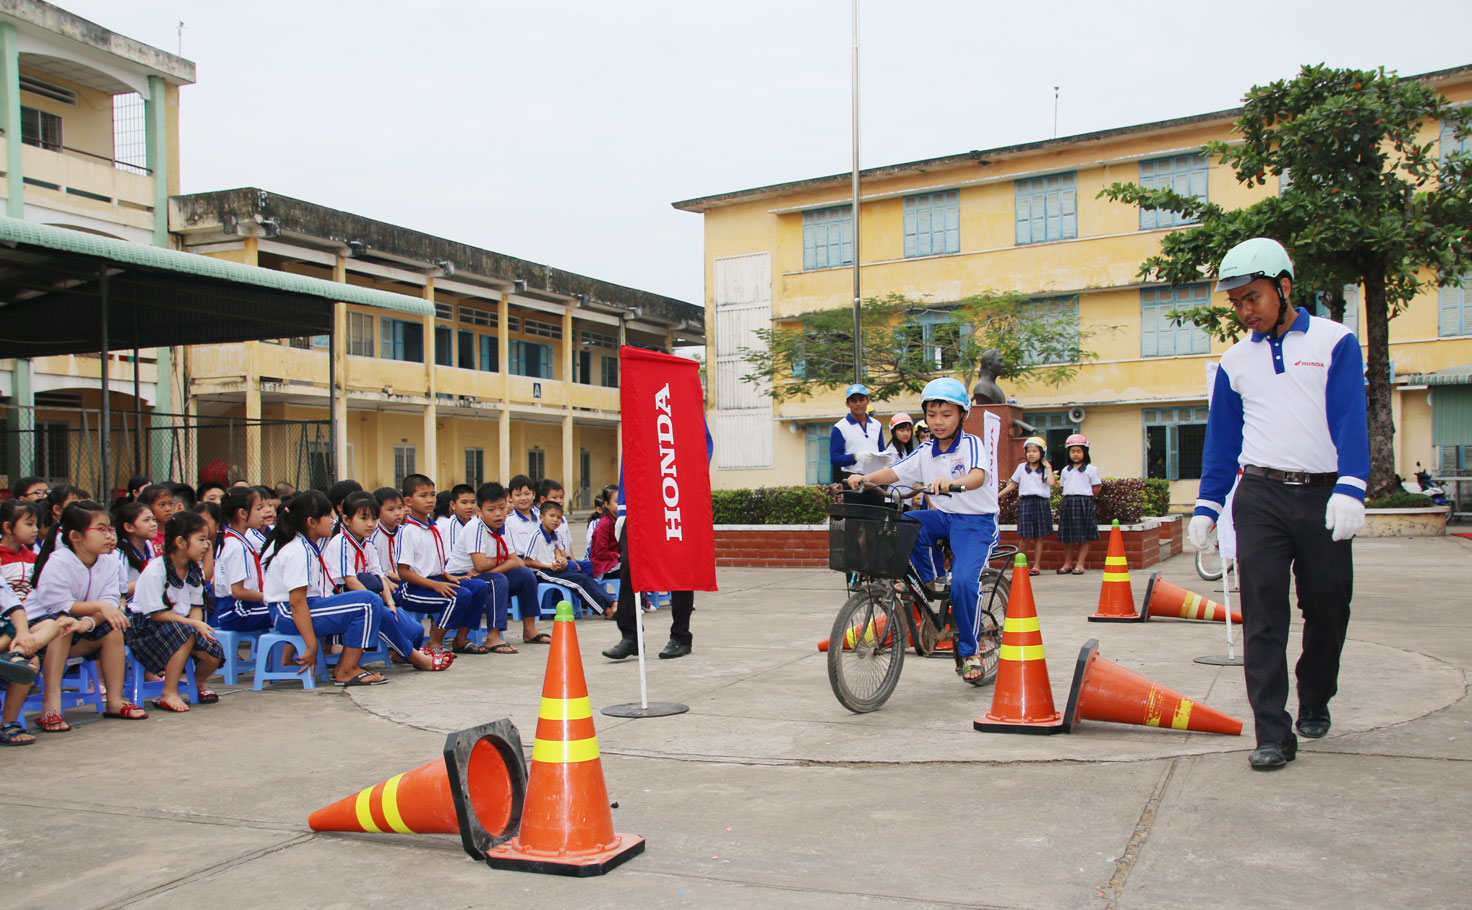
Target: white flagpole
column 639, row 631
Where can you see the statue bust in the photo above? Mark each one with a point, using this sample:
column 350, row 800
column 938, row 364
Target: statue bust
column 986, row 390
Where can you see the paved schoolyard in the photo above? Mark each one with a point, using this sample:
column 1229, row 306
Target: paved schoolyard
column 769, row 794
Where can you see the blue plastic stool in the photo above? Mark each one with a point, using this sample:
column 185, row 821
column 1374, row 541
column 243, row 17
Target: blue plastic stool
column 138, row 689
column 381, row 654
column 655, row 597
column 264, row 672
column 234, row 664
column 563, row 593
column 612, row 586
column 81, row 685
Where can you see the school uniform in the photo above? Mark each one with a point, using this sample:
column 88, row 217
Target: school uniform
column 15, row 566
column 423, row 550
column 477, row 537
column 386, row 548
column 564, row 540
column 298, row 564
column 543, row 548
column 1077, row 521
column 968, row 520
column 9, row 603
column 345, row 556
column 239, row 560
column 519, row 530
column 1034, row 510
column 159, row 590
column 64, row 581
column 128, row 575
column 589, row 534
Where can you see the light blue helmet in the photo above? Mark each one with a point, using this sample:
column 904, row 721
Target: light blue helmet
column 946, row 389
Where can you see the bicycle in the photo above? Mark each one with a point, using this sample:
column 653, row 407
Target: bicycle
column 1209, row 564
column 890, row 606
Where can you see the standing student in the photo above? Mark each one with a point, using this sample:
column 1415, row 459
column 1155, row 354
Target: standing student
column 211, row 491
column 524, row 518
column 240, row 604
column 545, row 556
column 452, row 601
column 19, row 529
column 1078, row 524
column 167, row 624
column 137, row 530
column 1033, row 480
column 75, row 578
column 901, row 437
column 481, row 550
column 352, row 564
column 300, row 596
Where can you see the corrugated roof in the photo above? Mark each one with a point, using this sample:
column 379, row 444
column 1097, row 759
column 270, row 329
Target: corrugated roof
column 1461, row 375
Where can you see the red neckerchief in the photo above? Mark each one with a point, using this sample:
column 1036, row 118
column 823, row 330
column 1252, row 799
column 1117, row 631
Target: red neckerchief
column 255, row 554
column 503, row 552
column 439, row 543
column 360, row 560
column 317, row 551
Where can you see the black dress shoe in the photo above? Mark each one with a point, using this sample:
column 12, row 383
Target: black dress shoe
column 1271, row 756
column 674, row 649
column 626, row 647
column 1313, row 723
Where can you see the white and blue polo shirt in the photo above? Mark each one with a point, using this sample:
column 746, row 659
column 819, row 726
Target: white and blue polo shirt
column 1292, row 403
column 930, row 463
column 850, row 437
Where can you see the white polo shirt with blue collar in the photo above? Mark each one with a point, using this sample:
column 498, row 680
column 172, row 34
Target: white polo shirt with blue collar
column 849, row 437
column 1292, row 403
column 930, row 463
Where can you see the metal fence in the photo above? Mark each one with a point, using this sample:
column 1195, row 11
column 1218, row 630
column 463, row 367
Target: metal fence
column 64, row 444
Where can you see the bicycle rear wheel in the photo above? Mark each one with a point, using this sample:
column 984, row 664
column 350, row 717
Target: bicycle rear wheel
column 866, row 649
column 996, row 589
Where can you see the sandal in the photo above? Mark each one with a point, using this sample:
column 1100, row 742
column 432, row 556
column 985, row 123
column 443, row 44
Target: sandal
column 541, row 638
column 208, row 696
column 52, row 722
column 128, row 711
column 1034, row 571
column 470, row 647
column 1078, row 571
column 968, row 664
column 502, row 648
column 438, row 661
column 362, row 680
column 16, row 668
column 162, row 705
column 11, row 735
column 1062, row 570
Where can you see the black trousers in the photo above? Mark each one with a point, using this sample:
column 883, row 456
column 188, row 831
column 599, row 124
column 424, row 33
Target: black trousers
column 1281, row 527
column 682, row 603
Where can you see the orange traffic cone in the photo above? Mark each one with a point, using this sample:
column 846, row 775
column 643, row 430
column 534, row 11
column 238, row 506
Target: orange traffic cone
column 1170, row 600
column 872, row 632
column 1116, row 597
column 1023, row 701
column 1103, row 690
column 476, row 790
column 567, row 828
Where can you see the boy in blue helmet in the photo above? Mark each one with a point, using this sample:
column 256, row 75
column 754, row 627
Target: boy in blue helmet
column 967, row 518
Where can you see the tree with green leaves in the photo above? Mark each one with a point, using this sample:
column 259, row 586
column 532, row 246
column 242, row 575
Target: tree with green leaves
column 1364, row 200
column 908, row 342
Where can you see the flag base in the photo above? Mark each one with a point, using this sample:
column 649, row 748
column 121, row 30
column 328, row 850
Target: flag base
column 655, row 709
column 1214, row 661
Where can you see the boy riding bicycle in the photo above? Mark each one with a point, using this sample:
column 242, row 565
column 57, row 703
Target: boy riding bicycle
column 968, row 519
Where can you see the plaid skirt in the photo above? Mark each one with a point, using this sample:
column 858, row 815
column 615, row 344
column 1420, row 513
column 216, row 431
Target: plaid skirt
column 1076, row 521
column 1034, row 516
column 153, row 643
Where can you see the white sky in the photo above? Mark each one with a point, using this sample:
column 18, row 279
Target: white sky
column 560, row 130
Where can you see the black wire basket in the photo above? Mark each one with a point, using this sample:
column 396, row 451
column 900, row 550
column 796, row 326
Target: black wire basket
column 870, row 540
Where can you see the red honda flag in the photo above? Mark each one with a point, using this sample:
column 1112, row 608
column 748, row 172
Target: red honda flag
column 666, row 473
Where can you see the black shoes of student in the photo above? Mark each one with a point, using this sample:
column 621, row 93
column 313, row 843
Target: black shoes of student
column 673, row 649
column 1272, row 756
column 1313, row 722
column 626, row 647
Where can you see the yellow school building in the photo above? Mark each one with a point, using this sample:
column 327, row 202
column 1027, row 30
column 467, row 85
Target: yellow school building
column 1027, row 219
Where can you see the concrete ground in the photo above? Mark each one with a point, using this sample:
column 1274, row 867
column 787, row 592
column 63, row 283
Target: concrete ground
column 768, row 793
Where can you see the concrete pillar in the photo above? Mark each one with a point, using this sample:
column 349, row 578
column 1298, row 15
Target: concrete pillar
column 156, row 137
column 569, row 389
column 503, row 425
column 339, row 414
column 431, row 413
column 252, row 466
column 24, row 460
column 10, row 119
column 503, row 360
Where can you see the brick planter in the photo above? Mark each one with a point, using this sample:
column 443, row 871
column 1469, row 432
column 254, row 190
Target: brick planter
column 1143, row 545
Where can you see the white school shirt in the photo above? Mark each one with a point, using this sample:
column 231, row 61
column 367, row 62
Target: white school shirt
column 588, row 544
column 64, row 581
column 519, row 530
column 542, row 547
column 446, row 525
column 386, row 546
column 298, row 564
column 346, row 556
column 564, row 536
column 1079, row 483
column 474, row 537
column 239, row 560
column 8, row 600
column 1031, row 483
column 421, row 548
column 126, row 573
column 148, row 596
column 928, row 464
column 258, row 537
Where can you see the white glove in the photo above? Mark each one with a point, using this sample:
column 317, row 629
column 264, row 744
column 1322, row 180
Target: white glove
column 1200, row 533
column 1344, row 516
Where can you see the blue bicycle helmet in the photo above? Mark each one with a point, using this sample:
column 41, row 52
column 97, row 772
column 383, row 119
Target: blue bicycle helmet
column 946, row 389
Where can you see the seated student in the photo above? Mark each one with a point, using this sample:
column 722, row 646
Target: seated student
column 386, row 537
column 137, row 529
column 166, row 626
column 18, row 665
column 211, row 514
column 280, row 492
column 606, row 558
column 20, row 526
column 211, row 491
column 300, row 596
column 273, row 502
column 75, row 579
column 51, row 506
column 523, row 519
column 352, row 565
column 592, row 528
column 160, row 501
column 481, row 548
column 184, row 495
column 240, row 605
column 337, row 494
column 452, row 601
column 459, row 511
column 545, row 556
column 551, row 491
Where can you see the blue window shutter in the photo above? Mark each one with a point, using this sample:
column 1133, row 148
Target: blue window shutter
column 1453, row 308
column 386, row 338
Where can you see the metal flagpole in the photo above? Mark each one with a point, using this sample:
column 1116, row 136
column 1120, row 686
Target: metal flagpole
column 858, row 320
column 1231, row 660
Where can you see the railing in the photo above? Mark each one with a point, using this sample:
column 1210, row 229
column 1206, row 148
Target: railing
column 127, row 166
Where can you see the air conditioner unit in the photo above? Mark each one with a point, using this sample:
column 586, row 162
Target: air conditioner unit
column 1076, row 415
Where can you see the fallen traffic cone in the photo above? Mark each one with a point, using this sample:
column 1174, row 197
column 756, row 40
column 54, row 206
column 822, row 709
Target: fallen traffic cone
column 1023, row 701
column 567, row 828
column 872, row 632
column 1116, row 597
column 476, row 790
column 1170, row 600
column 1103, row 690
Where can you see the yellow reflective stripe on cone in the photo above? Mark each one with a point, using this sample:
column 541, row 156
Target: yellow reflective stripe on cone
column 565, row 708
column 565, row 751
column 364, row 808
column 391, row 805
column 1021, row 652
column 1020, row 624
column 1189, row 606
column 1116, row 576
column 1182, row 718
column 1115, row 561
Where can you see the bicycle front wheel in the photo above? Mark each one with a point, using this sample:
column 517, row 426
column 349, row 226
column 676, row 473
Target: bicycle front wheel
column 866, row 649
column 996, row 589
column 1209, row 565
